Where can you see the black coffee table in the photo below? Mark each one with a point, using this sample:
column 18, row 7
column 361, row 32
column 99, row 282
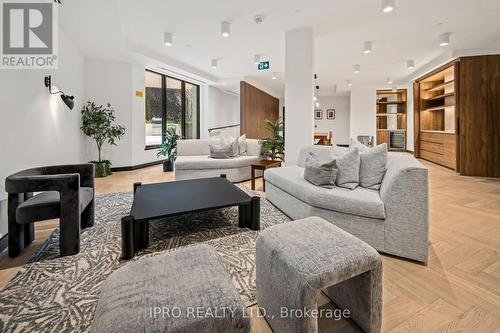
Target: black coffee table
column 155, row 201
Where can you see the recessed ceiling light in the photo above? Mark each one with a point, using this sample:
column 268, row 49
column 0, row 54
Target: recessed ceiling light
column 367, row 48
column 356, row 69
column 389, row 80
column 256, row 59
column 275, row 76
column 168, row 39
column 349, row 83
column 258, row 19
column 444, row 39
column 214, row 63
column 410, row 64
column 388, row 5
column 225, row 29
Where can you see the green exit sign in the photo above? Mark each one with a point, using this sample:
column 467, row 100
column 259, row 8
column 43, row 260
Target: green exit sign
column 263, row 65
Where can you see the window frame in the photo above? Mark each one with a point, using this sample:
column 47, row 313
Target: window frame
column 183, row 106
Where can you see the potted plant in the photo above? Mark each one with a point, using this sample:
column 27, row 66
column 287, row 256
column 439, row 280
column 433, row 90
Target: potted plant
column 169, row 148
column 273, row 147
column 98, row 124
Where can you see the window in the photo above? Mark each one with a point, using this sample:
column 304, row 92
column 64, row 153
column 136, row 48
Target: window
column 172, row 103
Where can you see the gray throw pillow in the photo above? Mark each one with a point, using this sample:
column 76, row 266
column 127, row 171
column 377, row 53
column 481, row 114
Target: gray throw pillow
column 356, row 144
column 372, row 167
column 221, row 151
column 320, row 173
column 233, row 142
column 348, row 169
column 242, row 144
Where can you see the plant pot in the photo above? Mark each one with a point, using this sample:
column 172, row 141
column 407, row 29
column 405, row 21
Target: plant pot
column 168, row 166
column 102, row 169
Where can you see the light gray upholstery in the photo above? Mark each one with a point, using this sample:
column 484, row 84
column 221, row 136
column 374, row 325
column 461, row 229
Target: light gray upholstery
column 348, row 169
column 323, row 153
column 320, row 173
column 194, row 277
column 193, row 161
column 361, row 202
column 402, row 229
column 223, row 151
column 372, row 167
column 312, row 255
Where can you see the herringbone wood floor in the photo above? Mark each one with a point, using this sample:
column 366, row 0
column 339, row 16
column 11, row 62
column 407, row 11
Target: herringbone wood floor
column 459, row 291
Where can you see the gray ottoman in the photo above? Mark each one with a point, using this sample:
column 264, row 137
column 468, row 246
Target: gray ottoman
column 296, row 260
column 188, row 290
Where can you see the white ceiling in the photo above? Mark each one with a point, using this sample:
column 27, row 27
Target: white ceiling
column 125, row 29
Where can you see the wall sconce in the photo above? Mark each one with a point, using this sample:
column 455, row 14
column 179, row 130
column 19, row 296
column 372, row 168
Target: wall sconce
column 68, row 100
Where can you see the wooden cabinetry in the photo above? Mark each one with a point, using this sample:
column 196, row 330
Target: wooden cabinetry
column 391, row 118
column 457, row 118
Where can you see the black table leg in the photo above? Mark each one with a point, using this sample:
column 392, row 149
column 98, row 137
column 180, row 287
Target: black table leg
column 141, row 235
column 244, row 215
column 136, row 186
column 255, row 214
column 127, row 225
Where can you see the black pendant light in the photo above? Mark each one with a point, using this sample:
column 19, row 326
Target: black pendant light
column 68, row 100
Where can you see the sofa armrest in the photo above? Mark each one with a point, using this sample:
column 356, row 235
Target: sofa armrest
column 405, row 194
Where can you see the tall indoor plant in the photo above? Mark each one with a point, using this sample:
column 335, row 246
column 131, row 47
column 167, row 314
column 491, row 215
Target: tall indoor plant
column 273, row 147
column 169, row 148
column 98, row 124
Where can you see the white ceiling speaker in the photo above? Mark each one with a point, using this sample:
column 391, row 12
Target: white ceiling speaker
column 349, row 83
column 388, row 5
column 214, row 63
column 410, row 64
column 168, row 39
column 444, row 39
column 225, row 29
column 356, row 69
column 256, row 59
column 367, row 47
column 275, row 76
column 258, row 19
column 389, row 80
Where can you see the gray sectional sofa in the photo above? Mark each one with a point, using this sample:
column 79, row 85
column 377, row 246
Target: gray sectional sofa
column 394, row 220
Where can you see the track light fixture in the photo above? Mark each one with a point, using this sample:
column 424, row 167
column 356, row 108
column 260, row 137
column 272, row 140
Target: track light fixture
column 410, row 64
column 444, row 39
column 367, row 47
column 356, row 69
column 388, row 5
column 168, row 38
column 214, row 63
column 225, row 29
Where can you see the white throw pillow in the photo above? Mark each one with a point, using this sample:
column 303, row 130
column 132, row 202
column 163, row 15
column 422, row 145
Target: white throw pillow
column 242, row 145
column 372, row 167
column 229, row 140
column 356, row 144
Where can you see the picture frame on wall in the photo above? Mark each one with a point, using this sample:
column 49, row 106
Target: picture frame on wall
column 330, row 114
column 318, row 114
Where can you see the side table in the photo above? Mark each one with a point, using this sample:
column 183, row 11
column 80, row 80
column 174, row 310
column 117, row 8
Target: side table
column 263, row 165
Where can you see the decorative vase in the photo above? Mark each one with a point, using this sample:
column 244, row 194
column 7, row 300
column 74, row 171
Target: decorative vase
column 102, row 169
column 167, row 166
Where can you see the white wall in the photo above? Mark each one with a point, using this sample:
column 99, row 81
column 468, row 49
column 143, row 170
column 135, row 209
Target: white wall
column 37, row 128
column 338, row 126
column 223, row 109
column 299, row 115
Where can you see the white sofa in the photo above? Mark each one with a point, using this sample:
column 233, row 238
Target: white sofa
column 193, row 161
column 394, row 220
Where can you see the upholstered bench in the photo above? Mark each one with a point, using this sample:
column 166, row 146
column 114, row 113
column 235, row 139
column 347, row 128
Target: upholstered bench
column 297, row 260
column 188, row 290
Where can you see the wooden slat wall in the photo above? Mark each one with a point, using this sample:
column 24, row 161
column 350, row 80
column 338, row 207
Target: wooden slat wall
column 479, row 79
column 255, row 107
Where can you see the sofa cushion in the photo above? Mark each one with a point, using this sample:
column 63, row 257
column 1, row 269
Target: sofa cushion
column 372, row 167
column 47, row 205
column 221, row 151
column 360, row 202
column 205, row 162
column 348, row 169
column 320, row 173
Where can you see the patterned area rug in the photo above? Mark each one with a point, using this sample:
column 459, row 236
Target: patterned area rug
column 53, row 294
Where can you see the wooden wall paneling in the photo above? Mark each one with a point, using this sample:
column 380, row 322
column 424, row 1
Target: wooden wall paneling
column 479, row 79
column 456, row 88
column 255, row 107
column 416, row 119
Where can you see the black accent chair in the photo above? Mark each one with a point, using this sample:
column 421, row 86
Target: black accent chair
column 67, row 193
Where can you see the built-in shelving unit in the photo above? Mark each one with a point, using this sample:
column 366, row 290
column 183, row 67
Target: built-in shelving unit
column 392, row 118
